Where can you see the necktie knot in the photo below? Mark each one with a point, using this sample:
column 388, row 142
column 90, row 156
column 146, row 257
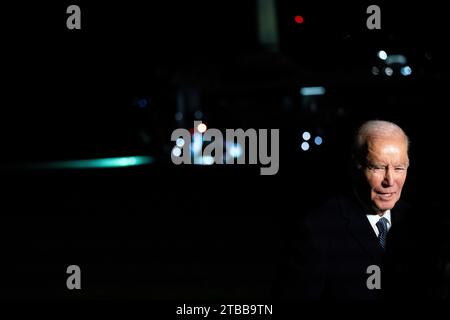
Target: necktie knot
column 382, row 228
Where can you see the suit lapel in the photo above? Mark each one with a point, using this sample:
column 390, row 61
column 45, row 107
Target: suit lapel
column 360, row 228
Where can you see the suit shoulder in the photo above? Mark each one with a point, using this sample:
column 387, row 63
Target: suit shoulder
column 403, row 206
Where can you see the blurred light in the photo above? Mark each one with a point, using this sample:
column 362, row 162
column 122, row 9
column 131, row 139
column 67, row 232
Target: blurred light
column 208, row 160
column 312, row 91
column 176, row 151
column 375, row 71
column 388, row 71
column 102, row 163
column 306, row 135
column 178, row 116
column 180, row 142
column 197, row 143
column 121, row 162
column 406, row 71
column 198, row 114
column 201, row 127
column 142, row 103
column 234, row 150
column 396, row 58
column 299, row 19
column 318, row 140
column 382, row 55
column 305, row 146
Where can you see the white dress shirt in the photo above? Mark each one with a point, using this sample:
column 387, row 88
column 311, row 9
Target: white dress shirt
column 373, row 219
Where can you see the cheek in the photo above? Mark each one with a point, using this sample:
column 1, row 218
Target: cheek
column 401, row 182
column 373, row 180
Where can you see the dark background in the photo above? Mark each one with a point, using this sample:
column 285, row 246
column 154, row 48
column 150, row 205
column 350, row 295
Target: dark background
column 166, row 232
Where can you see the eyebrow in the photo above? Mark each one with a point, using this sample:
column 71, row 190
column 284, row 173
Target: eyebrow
column 378, row 164
column 375, row 164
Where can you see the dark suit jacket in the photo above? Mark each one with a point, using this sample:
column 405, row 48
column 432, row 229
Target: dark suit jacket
column 332, row 250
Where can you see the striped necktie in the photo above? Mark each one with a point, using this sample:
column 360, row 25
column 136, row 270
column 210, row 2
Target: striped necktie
column 382, row 228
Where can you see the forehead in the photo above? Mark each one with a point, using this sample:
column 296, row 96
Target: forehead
column 388, row 147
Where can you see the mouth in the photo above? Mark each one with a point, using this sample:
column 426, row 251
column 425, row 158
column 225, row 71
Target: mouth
column 385, row 196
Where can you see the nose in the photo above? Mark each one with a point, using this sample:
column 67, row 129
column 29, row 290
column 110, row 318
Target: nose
column 388, row 180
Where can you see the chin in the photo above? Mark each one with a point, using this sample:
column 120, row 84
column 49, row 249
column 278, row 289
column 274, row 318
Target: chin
column 385, row 206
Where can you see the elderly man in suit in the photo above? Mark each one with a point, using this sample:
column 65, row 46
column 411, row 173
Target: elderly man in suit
column 339, row 242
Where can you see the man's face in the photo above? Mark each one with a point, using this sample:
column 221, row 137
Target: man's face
column 385, row 170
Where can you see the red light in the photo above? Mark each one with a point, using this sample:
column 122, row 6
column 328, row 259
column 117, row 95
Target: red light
column 299, row 19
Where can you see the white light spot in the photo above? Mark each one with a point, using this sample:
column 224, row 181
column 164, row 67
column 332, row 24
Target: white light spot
column 382, row 55
column 180, row 142
column 176, row 152
column 201, row 127
column 306, row 135
column 305, row 146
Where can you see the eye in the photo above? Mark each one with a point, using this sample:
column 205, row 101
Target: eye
column 376, row 168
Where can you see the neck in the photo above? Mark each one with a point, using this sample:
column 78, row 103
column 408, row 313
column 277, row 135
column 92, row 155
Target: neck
column 381, row 213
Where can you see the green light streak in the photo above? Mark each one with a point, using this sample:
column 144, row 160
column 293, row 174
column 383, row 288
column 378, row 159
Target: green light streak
column 103, row 163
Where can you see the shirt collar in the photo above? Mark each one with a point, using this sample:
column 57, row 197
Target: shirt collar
column 373, row 219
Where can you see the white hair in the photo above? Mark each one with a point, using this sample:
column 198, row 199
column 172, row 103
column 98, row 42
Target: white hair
column 371, row 129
